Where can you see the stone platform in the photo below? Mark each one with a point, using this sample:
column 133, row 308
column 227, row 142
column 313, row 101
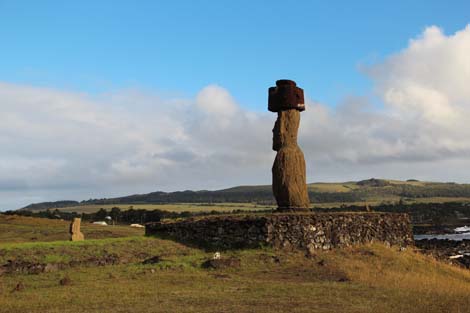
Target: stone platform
column 287, row 230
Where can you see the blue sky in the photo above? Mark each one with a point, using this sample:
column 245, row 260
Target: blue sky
column 110, row 98
column 178, row 47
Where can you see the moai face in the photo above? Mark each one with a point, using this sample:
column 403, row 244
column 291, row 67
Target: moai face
column 276, row 135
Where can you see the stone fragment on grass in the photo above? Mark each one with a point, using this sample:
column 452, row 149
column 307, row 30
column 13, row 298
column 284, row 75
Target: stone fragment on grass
column 152, row 260
column 50, row 267
column 65, row 281
column 19, row 287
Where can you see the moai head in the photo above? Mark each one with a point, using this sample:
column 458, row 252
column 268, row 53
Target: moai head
column 288, row 101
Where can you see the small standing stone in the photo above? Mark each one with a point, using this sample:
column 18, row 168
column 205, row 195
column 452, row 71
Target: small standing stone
column 75, row 234
column 19, row 287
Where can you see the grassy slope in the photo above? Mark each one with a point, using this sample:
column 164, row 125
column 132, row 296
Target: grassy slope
column 362, row 279
column 26, row 229
column 370, row 278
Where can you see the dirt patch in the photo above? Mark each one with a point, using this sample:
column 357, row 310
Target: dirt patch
column 153, row 260
column 23, row 267
column 222, row 263
column 17, row 266
column 301, row 270
column 65, row 281
column 269, row 259
column 221, row 276
column 308, row 274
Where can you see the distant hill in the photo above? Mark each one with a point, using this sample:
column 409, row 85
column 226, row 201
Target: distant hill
column 370, row 190
column 50, row 205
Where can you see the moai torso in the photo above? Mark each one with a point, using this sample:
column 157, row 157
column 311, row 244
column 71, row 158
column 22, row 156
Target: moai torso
column 289, row 172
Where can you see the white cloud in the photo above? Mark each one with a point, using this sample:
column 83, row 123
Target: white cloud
column 126, row 142
column 217, row 102
column 57, row 145
column 425, row 88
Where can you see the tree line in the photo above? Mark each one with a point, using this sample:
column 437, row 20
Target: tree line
column 432, row 213
column 118, row 216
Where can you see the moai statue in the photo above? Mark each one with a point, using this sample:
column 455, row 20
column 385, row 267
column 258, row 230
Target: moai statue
column 289, row 178
column 75, row 234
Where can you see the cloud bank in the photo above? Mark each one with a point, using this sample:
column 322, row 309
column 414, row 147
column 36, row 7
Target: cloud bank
column 64, row 145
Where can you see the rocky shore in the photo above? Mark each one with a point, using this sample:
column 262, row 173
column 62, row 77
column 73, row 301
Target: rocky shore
column 450, row 251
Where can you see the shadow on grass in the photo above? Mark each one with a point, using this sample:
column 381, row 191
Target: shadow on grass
column 207, row 246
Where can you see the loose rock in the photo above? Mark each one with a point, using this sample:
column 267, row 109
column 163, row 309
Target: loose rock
column 152, row 260
column 65, row 281
column 19, row 287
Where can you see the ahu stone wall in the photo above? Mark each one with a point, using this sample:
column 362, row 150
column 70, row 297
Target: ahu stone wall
column 288, row 230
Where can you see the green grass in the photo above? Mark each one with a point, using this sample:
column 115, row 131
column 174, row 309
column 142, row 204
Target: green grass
column 127, row 249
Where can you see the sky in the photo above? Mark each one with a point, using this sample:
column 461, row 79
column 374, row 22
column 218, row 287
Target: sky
column 108, row 98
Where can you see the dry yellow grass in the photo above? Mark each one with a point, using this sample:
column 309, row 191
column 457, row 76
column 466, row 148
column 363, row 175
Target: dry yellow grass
column 412, row 276
column 229, row 207
column 332, row 187
column 174, row 207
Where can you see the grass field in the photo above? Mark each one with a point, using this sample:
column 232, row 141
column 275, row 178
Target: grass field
column 361, row 279
column 331, row 187
column 14, row 229
column 348, row 186
column 392, row 200
column 323, row 195
column 229, row 207
column 176, row 207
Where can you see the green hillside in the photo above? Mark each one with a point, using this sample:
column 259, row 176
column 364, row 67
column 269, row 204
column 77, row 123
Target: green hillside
column 372, row 191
